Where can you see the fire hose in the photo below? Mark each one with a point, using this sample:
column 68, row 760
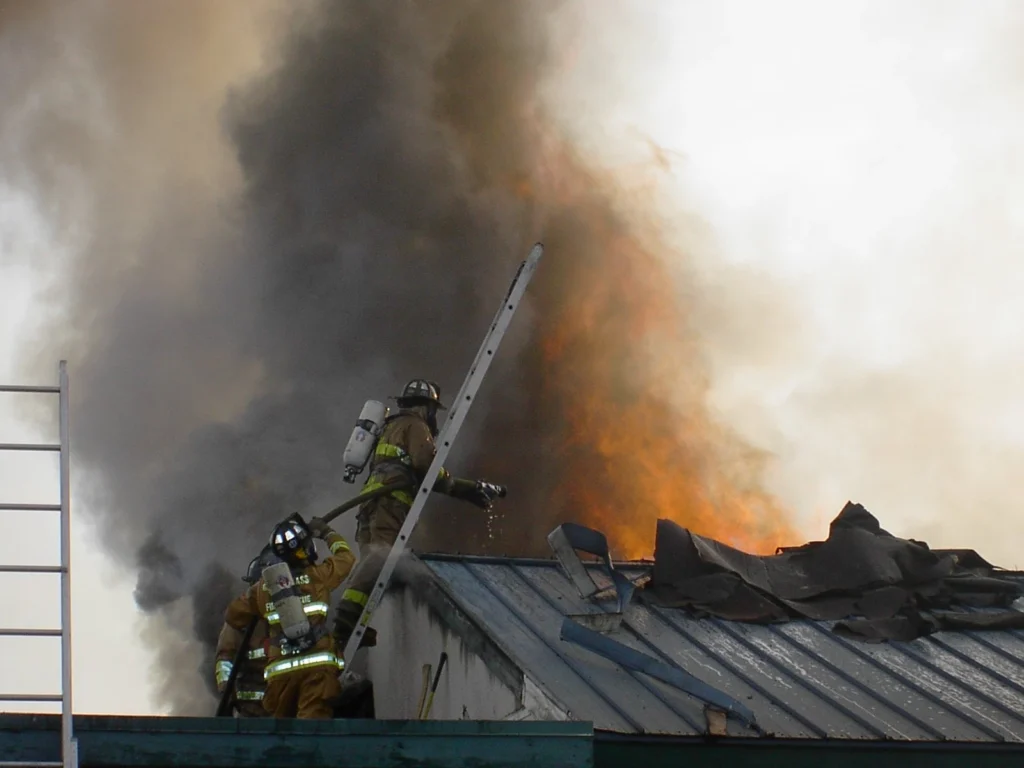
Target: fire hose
column 355, row 501
column 399, row 485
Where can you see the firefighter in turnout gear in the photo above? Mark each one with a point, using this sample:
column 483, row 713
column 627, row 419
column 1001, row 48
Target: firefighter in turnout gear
column 250, row 686
column 404, row 452
column 293, row 597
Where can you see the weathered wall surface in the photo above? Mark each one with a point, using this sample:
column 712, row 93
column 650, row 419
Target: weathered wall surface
column 410, row 635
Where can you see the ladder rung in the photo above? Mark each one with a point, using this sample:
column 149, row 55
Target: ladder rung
column 31, row 569
column 30, row 389
column 29, row 446
column 31, row 697
column 30, row 632
column 29, row 507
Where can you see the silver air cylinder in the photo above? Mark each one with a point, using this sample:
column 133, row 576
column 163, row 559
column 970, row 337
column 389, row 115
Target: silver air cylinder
column 364, row 438
column 287, row 600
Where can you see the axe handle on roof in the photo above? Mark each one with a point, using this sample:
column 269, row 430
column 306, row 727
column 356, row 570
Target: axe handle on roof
column 424, row 687
column 433, row 687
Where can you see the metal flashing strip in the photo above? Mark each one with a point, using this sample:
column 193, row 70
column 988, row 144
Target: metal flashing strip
column 630, row 659
column 565, row 540
column 650, row 687
column 577, row 668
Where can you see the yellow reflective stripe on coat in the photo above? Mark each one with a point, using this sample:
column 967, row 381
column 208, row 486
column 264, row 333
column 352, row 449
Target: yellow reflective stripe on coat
column 337, row 546
column 223, row 671
column 322, row 659
column 311, row 609
column 249, row 696
column 355, row 596
column 258, row 653
column 401, row 496
column 392, row 451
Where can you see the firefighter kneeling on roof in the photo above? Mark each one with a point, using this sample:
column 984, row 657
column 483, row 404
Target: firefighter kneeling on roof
column 292, row 596
column 404, row 453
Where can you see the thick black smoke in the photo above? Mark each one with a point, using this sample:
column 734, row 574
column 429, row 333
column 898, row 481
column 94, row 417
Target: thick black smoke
column 274, row 212
column 223, row 344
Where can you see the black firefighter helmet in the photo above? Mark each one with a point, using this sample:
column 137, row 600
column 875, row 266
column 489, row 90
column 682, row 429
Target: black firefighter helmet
column 421, row 392
column 257, row 564
column 293, row 542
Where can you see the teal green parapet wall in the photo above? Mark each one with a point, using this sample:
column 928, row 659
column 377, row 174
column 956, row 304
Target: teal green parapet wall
column 622, row 750
column 175, row 742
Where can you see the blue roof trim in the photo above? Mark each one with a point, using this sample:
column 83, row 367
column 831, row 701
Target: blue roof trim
column 594, row 543
column 582, row 673
column 638, row 662
column 811, row 726
column 653, row 690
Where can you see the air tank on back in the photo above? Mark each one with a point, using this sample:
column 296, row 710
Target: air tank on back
column 364, row 438
column 287, row 603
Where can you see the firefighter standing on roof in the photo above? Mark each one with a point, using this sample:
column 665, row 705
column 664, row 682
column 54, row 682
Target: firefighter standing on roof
column 292, row 596
column 404, row 452
column 250, row 685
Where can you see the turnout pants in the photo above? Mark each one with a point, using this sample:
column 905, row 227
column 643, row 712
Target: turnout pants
column 377, row 530
column 303, row 693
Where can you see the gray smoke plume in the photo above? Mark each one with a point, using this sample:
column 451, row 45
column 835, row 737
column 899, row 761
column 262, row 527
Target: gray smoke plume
column 276, row 212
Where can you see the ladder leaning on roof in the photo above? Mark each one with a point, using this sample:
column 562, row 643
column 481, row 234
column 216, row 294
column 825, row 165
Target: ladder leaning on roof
column 69, row 746
column 456, row 416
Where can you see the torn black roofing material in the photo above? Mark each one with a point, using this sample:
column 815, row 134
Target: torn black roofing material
column 800, row 679
column 878, row 586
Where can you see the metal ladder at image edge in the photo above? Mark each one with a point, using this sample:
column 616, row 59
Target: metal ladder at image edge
column 456, row 416
column 69, row 746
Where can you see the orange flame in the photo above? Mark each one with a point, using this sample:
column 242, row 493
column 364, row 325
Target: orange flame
column 624, row 364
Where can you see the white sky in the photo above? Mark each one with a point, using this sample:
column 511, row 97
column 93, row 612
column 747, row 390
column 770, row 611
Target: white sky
column 110, row 668
column 858, row 169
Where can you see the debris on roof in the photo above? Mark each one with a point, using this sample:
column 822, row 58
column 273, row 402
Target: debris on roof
column 895, row 589
column 602, row 645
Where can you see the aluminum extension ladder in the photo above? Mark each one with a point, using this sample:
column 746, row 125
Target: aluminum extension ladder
column 69, row 746
column 456, row 416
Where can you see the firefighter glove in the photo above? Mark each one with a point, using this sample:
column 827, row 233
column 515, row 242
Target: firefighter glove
column 478, row 492
column 490, row 491
column 222, row 672
column 319, row 527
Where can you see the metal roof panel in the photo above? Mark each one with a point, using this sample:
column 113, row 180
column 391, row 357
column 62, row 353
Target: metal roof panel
column 800, row 679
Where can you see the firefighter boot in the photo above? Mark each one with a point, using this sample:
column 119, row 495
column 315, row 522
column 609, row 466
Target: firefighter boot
column 345, row 624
